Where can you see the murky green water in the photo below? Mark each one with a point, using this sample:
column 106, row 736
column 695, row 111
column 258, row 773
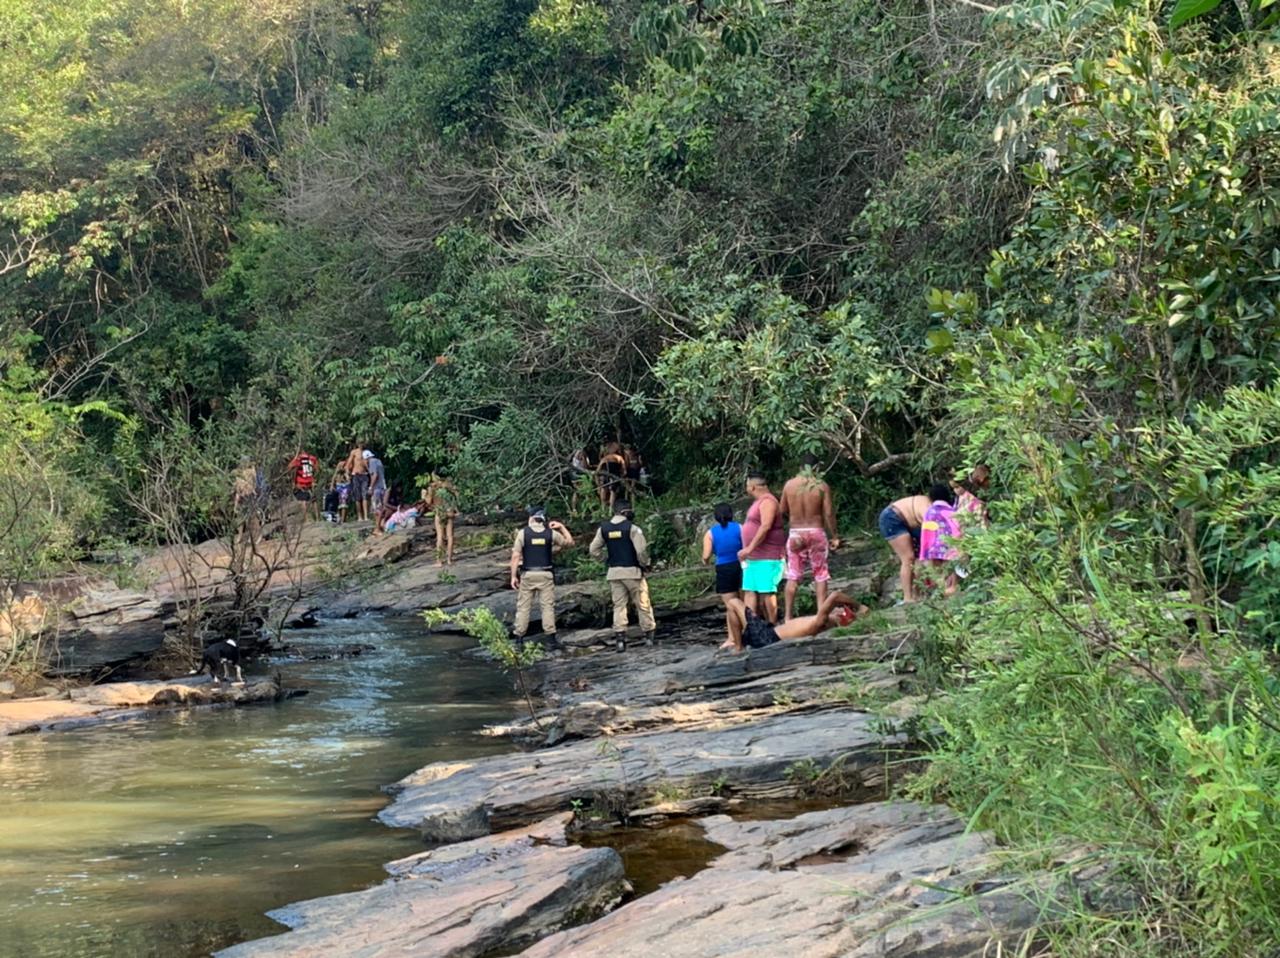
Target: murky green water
column 172, row 836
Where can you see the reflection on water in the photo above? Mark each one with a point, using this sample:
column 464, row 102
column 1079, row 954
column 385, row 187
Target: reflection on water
column 651, row 857
column 171, row 836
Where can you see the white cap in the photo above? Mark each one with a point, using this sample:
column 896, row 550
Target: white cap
column 367, row 454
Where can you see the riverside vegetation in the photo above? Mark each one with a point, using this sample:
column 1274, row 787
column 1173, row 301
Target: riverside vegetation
column 1043, row 235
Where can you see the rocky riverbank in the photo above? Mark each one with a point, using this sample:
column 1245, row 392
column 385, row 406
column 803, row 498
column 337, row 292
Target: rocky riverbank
column 99, row 628
column 676, row 732
column 879, row 879
column 111, row 618
column 116, row 701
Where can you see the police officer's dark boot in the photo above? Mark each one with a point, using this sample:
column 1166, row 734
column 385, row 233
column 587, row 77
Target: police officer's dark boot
column 650, row 638
column 518, row 642
column 620, row 641
column 551, row 642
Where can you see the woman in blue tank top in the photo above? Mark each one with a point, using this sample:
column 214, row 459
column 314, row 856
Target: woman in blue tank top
column 723, row 540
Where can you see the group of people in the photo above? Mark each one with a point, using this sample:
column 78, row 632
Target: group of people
column 781, row 538
column 619, row 541
column 358, row 483
column 928, row 529
column 617, row 472
column 358, row 489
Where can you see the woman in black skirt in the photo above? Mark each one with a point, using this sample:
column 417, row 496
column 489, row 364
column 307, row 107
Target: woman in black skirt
column 723, row 540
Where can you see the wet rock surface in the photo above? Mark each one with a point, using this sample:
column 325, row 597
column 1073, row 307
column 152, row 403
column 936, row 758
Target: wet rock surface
column 459, row 800
column 460, row 901
column 689, row 683
column 883, row 880
column 121, row 700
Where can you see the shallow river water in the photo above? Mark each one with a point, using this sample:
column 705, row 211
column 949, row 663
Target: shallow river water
column 171, row 836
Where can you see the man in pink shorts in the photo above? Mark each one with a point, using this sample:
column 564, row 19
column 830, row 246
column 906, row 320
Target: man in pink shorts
column 806, row 502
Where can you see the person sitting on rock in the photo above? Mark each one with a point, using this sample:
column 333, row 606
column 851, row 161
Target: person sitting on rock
column 621, row 542
column 404, row 517
column 837, row 609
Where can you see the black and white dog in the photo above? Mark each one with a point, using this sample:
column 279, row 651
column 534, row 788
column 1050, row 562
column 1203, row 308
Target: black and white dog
column 221, row 653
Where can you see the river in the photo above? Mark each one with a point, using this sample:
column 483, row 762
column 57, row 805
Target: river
column 171, row 836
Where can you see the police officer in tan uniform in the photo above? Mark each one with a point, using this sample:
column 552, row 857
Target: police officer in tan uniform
column 533, row 573
column 622, row 544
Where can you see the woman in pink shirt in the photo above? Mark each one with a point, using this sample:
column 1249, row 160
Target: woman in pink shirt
column 764, row 545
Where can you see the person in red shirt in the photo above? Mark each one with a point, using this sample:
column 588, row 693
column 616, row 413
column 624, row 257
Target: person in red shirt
column 303, row 469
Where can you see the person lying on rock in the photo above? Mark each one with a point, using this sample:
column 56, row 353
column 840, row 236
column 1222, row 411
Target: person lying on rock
column 746, row 627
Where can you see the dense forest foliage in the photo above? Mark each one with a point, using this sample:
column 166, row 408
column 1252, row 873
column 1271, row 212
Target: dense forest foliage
column 907, row 236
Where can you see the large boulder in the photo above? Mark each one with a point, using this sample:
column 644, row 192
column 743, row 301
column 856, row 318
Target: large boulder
column 461, row 901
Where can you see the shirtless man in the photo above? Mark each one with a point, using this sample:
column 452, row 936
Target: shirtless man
column 835, row 610
column 806, row 501
column 358, row 469
column 610, row 474
column 900, row 526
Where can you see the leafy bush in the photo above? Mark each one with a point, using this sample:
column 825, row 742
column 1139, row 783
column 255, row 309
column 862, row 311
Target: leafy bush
column 1076, row 726
column 488, row 629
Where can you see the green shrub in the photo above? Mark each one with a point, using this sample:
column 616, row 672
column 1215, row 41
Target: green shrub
column 1076, row 722
column 483, row 625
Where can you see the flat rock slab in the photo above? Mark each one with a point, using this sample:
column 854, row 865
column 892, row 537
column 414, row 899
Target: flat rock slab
column 461, row 901
column 452, row 801
column 885, row 880
column 698, row 672
column 892, row 836
column 121, row 700
column 688, row 685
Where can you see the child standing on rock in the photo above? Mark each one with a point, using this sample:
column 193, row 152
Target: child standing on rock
column 939, row 529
